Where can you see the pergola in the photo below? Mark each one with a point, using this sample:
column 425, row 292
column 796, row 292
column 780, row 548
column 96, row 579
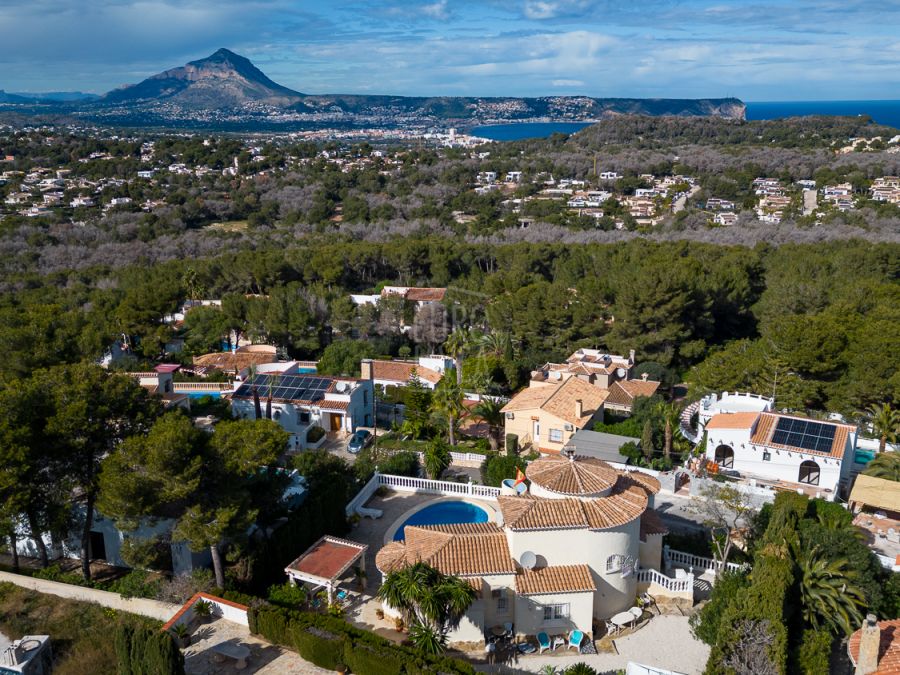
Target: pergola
column 326, row 561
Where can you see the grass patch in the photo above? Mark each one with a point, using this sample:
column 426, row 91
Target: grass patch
column 81, row 632
column 228, row 226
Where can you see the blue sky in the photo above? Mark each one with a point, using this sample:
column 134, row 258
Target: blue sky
column 755, row 50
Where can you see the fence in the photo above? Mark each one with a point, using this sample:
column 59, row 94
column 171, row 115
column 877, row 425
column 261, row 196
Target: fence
column 692, row 562
column 683, row 585
column 185, row 387
column 437, row 487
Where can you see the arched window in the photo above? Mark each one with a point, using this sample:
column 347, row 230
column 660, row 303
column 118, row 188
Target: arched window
column 725, row 457
column 809, row 472
column 614, row 563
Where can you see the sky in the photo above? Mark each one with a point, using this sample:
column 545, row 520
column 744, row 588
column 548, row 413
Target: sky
column 767, row 50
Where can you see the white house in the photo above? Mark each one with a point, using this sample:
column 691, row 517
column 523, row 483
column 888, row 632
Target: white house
column 556, row 558
column 799, row 452
column 397, row 373
column 301, row 401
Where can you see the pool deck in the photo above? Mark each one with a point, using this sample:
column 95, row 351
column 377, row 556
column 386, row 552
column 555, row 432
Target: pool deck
column 374, row 533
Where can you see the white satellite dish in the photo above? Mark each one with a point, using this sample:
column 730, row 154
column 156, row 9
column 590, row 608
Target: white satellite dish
column 528, row 560
column 621, row 372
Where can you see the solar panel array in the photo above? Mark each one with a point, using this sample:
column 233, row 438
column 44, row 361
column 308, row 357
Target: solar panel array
column 287, row 387
column 806, row 434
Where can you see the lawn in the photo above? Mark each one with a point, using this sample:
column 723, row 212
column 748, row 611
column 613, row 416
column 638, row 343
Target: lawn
column 82, row 634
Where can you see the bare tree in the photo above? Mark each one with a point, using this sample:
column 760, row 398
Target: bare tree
column 725, row 510
column 430, row 327
column 749, row 653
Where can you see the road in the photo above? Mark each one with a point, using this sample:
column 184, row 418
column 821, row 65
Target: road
column 810, row 201
column 679, row 203
column 677, row 513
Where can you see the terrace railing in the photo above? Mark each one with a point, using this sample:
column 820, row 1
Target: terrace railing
column 185, row 387
column 683, row 585
column 437, row 487
column 693, row 562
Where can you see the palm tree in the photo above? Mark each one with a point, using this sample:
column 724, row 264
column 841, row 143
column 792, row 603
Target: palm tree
column 886, row 465
column 436, row 458
column 489, row 411
column 448, row 398
column 885, row 422
column 670, row 414
column 432, row 603
column 457, row 344
column 499, row 343
column 828, row 594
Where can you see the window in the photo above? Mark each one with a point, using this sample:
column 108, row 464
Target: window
column 767, row 456
column 499, row 594
column 304, row 417
column 614, row 563
column 556, row 612
column 725, row 457
column 809, row 472
column 556, row 436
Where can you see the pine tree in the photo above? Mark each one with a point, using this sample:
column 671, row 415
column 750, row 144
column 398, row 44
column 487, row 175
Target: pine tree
column 647, row 441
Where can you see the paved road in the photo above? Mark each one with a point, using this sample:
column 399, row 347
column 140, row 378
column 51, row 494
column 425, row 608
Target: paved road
column 680, row 202
column 810, row 200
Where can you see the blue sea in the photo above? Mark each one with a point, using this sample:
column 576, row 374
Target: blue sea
column 883, row 112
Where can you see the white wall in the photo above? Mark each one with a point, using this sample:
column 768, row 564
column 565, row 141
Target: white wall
column 783, row 465
column 530, row 613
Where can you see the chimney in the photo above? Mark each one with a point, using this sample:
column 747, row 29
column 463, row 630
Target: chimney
column 579, row 409
column 869, row 644
column 631, row 357
column 366, row 371
column 644, row 376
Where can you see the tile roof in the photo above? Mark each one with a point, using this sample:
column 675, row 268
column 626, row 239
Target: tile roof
column 736, row 420
column 559, row 400
column 401, row 371
column 576, row 476
column 651, row 523
column 626, row 502
column 465, row 549
column 888, row 651
column 765, row 428
column 624, row 392
column 328, row 558
column 422, row 294
column 559, row 579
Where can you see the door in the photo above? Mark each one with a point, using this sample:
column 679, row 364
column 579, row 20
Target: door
column 335, row 422
column 536, row 430
column 97, row 546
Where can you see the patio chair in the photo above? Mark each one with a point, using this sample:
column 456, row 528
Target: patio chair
column 509, row 629
column 544, row 642
column 576, row 637
column 611, row 628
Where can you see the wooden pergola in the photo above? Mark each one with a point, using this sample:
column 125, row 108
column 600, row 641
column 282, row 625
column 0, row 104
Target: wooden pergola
column 326, row 561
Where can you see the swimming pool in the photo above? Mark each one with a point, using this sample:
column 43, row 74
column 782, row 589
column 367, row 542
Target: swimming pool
column 444, row 513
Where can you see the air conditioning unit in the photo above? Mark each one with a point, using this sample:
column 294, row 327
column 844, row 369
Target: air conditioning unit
column 569, row 427
column 510, row 416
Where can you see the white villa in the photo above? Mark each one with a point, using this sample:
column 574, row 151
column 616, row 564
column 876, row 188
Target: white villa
column 745, row 436
column 301, row 401
column 397, row 373
column 559, row 557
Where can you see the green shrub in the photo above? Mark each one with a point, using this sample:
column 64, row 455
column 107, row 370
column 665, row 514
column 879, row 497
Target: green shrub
column 287, row 595
column 512, row 445
column 147, row 651
column 403, row 463
column 498, row 467
column 706, row 623
column 325, row 650
column 55, row 573
column 136, row 584
column 813, row 654
column 362, row 658
column 315, row 434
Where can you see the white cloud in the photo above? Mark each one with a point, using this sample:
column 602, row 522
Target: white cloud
column 437, row 10
column 567, row 83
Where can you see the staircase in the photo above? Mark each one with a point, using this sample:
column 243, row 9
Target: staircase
column 684, row 426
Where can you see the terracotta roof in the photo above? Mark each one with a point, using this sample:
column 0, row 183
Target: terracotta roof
column 560, row 579
column 328, row 558
column 415, row 294
column 465, row 549
column 559, row 400
column 624, row 392
column 650, row 483
column 765, row 428
column 401, row 371
column 737, row 420
column 577, row 476
column 325, row 404
column 888, row 651
column 626, row 502
column 233, row 362
column 651, row 523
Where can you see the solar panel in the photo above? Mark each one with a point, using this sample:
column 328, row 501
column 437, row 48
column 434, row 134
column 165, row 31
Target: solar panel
column 804, row 434
column 286, row 387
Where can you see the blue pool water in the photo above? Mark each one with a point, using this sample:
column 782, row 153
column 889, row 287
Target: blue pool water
column 304, row 369
column 864, row 456
column 444, row 513
column 201, row 394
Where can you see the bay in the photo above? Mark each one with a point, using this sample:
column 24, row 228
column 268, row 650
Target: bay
column 883, row 112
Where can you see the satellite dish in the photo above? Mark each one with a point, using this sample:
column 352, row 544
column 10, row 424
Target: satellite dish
column 528, row 560
column 621, row 372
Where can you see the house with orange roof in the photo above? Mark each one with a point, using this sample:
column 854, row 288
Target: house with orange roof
column 875, row 648
column 545, row 417
column 398, row 373
column 794, row 451
column 567, row 553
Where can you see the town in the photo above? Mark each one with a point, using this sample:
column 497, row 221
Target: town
column 413, row 401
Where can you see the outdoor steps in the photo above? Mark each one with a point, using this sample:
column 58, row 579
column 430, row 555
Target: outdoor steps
column 685, row 423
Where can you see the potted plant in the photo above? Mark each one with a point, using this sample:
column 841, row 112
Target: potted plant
column 182, row 635
column 399, row 624
column 340, row 668
column 379, row 613
column 203, row 611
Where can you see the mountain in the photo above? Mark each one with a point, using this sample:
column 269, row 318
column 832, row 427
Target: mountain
column 61, row 96
column 15, row 98
column 223, row 80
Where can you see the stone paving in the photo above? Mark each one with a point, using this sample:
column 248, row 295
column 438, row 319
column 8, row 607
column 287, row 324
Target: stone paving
column 265, row 658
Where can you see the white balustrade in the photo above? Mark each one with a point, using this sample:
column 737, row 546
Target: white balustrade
column 437, row 487
column 650, row 576
column 690, row 561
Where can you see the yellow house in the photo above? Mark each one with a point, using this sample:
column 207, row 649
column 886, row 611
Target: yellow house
column 545, row 417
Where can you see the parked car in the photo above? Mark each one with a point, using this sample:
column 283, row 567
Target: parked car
column 358, row 441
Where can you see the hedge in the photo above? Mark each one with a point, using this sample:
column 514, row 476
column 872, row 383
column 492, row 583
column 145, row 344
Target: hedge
column 327, row 640
column 813, row 655
column 147, row 651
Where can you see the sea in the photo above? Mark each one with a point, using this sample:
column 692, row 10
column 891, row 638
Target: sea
column 883, row 112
